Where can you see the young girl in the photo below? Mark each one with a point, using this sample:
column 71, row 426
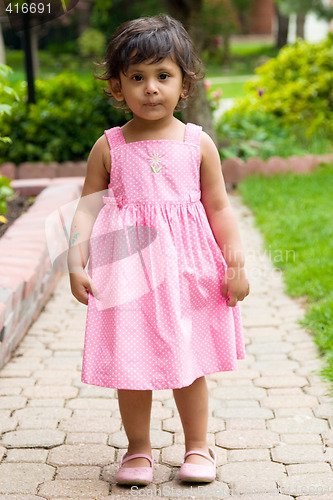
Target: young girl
column 166, row 266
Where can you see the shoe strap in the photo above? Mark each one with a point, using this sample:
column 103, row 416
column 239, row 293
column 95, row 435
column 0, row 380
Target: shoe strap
column 138, row 455
column 202, row 454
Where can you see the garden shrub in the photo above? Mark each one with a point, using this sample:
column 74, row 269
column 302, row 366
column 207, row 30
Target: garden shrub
column 287, row 110
column 91, row 43
column 61, row 62
column 5, row 192
column 254, row 133
column 15, row 58
column 69, row 115
column 7, row 96
column 296, row 87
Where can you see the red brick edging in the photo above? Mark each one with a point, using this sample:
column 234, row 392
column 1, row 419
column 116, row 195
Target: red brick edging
column 37, row 170
column 235, row 170
column 31, row 178
column 27, row 277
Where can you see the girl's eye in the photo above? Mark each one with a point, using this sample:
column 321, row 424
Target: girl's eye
column 164, row 76
column 137, row 78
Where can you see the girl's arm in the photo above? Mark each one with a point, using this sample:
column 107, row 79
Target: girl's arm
column 90, row 204
column 222, row 222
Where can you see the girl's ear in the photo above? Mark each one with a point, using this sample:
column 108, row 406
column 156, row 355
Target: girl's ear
column 115, row 89
column 186, row 89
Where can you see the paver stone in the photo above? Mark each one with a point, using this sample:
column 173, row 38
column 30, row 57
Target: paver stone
column 244, row 439
column 85, row 454
column 33, row 438
column 74, row 488
column 23, row 478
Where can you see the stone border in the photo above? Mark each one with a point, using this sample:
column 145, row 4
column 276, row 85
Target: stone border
column 37, row 170
column 27, row 277
column 235, row 170
column 37, row 176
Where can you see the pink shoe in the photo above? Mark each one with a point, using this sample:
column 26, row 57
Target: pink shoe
column 199, row 473
column 135, row 475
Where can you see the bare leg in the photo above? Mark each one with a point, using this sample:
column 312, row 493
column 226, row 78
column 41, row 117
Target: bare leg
column 135, row 409
column 192, row 404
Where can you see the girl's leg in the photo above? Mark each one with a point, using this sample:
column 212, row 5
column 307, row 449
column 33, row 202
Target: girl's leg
column 192, row 404
column 135, row 409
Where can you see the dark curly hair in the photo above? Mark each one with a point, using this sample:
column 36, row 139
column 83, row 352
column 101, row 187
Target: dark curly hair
column 151, row 39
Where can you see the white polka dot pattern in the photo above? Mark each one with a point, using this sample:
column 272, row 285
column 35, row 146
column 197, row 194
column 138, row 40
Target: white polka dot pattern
column 161, row 321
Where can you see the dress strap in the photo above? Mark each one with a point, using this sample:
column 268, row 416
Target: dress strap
column 192, row 134
column 115, row 137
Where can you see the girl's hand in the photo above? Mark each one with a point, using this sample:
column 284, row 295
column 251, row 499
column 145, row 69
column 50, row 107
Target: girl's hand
column 81, row 286
column 235, row 285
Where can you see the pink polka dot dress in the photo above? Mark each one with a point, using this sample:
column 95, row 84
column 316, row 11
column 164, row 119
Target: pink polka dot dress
column 160, row 321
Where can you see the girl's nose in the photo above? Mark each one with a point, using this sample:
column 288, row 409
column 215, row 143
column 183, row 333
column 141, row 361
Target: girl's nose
column 151, row 88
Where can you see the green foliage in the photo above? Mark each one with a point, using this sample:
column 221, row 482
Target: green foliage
column 50, row 64
column 258, row 134
column 107, row 15
column 70, row 114
column 92, row 43
column 15, row 58
column 320, row 7
column 218, row 22
column 66, row 47
column 7, row 95
column 243, row 9
column 296, row 87
column 245, row 57
column 297, row 6
column 249, row 134
column 5, row 192
column 295, row 213
column 218, row 18
column 287, row 110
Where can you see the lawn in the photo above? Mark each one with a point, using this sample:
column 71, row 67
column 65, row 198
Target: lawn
column 244, row 58
column 229, row 89
column 295, row 213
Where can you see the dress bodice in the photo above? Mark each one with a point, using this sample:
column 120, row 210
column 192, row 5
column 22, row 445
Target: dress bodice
column 155, row 171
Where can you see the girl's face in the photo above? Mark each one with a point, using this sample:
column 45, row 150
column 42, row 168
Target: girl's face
column 151, row 91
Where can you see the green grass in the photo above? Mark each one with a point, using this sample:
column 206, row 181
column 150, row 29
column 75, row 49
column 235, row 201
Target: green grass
column 253, row 49
column 245, row 57
column 213, row 71
column 232, row 89
column 295, row 214
column 49, row 65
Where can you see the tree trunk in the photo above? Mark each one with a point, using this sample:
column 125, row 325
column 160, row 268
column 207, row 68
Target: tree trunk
column 243, row 16
column 198, row 110
column 34, row 48
column 84, row 14
column 283, row 26
column 300, row 21
column 226, row 48
column 2, row 47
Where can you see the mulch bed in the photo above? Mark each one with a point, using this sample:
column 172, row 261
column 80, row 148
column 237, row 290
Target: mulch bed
column 15, row 207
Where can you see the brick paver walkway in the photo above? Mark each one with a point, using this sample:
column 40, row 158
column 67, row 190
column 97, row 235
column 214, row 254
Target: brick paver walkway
column 270, row 421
